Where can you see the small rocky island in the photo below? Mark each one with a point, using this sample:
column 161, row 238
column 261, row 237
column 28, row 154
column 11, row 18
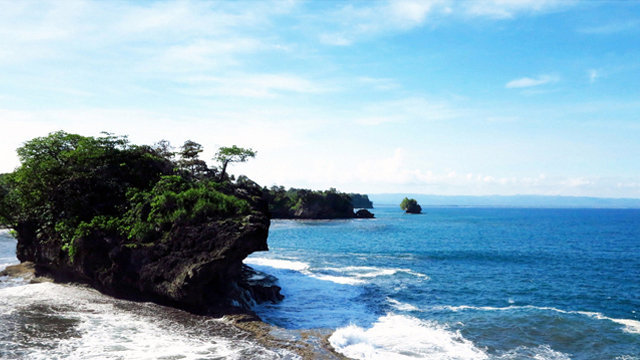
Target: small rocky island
column 139, row 222
column 410, row 206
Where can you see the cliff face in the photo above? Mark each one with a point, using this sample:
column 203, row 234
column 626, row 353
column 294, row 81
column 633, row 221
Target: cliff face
column 361, row 201
column 196, row 267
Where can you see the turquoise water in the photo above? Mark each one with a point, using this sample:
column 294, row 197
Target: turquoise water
column 463, row 283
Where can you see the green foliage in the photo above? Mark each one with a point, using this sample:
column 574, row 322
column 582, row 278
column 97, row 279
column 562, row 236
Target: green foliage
column 190, row 159
column 410, row 206
column 291, row 203
column 72, row 187
column 226, row 155
column 173, row 201
column 361, row 201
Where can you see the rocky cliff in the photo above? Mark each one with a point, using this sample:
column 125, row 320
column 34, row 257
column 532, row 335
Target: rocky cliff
column 197, row 267
column 134, row 223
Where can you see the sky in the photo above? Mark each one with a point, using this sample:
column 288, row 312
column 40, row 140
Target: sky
column 434, row 97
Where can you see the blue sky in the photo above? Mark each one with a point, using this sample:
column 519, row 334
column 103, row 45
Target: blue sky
column 436, row 97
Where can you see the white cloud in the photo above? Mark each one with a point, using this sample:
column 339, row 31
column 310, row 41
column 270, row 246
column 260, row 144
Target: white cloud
column 530, row 82
column 35, row 30
column 593, row 75
column 252, row 85
column 203, row 54
column 353, row 22
column 504, row 9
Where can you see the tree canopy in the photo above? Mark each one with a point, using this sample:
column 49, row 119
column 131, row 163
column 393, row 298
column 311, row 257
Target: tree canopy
column 70, row 186
column 226, row 155
column 410, row 206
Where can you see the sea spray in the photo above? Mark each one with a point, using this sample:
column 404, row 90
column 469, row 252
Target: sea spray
column 403, row 337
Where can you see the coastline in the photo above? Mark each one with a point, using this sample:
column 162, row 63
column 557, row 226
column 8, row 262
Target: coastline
column 307, row 344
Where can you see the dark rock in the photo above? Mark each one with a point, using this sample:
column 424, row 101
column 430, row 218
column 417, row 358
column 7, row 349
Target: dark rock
column 364, row 214
column 196, row 267
column 361, row 201
column 414, row 209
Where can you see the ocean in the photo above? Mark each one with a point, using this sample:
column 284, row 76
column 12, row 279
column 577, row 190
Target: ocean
column 451, row 283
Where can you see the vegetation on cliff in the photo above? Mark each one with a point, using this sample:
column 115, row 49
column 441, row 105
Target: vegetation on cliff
column 132, row 218
column 361, row 201
column 69, row 186
column 308, row 204
column 410, row 206
column 315, row 204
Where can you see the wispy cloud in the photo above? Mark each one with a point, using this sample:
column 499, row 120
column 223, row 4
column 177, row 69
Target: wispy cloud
column 593, row 74
column 355, row 21
column 527, row 82
column 505, row 9
column 253, row 85
column 612, row 28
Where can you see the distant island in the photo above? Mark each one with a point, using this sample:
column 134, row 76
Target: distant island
column 314, row 204
column 361, row 201
column 410, row 206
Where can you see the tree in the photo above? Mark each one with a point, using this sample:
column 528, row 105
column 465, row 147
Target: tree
column 226, row 155
column 190, row 158
column 164, row 149
column 410, row 206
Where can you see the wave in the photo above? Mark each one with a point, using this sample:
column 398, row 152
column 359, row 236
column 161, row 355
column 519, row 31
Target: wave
column 401, row 306
column 542, row 352
column 630, row 325
column 302, row 268
column 278, row 263
column 47, row 320
column 348, row 275
column 372, row 271
column 403, row 337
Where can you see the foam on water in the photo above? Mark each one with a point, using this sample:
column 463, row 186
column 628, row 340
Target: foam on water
column 372, row 271
column 277, row 263
column 348, row 275
column 630, row 325
column 403, row 337
column 301, row 267
column 542, row 352
column 54, row 321
column 401, row 306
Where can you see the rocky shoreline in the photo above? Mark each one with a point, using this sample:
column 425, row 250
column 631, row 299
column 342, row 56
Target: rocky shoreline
column 308, row 344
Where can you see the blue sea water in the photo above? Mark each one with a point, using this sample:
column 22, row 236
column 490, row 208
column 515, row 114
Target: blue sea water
column 463, row 283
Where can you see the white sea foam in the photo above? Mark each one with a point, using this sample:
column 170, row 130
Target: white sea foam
column 367, row 272
column 106, row 328
column 403, row 337
column 630, row 325
column 543, row 352
column 348, row 275
column 302, row 268
column 277, row 263
column 338, row 279
column 401, row 306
